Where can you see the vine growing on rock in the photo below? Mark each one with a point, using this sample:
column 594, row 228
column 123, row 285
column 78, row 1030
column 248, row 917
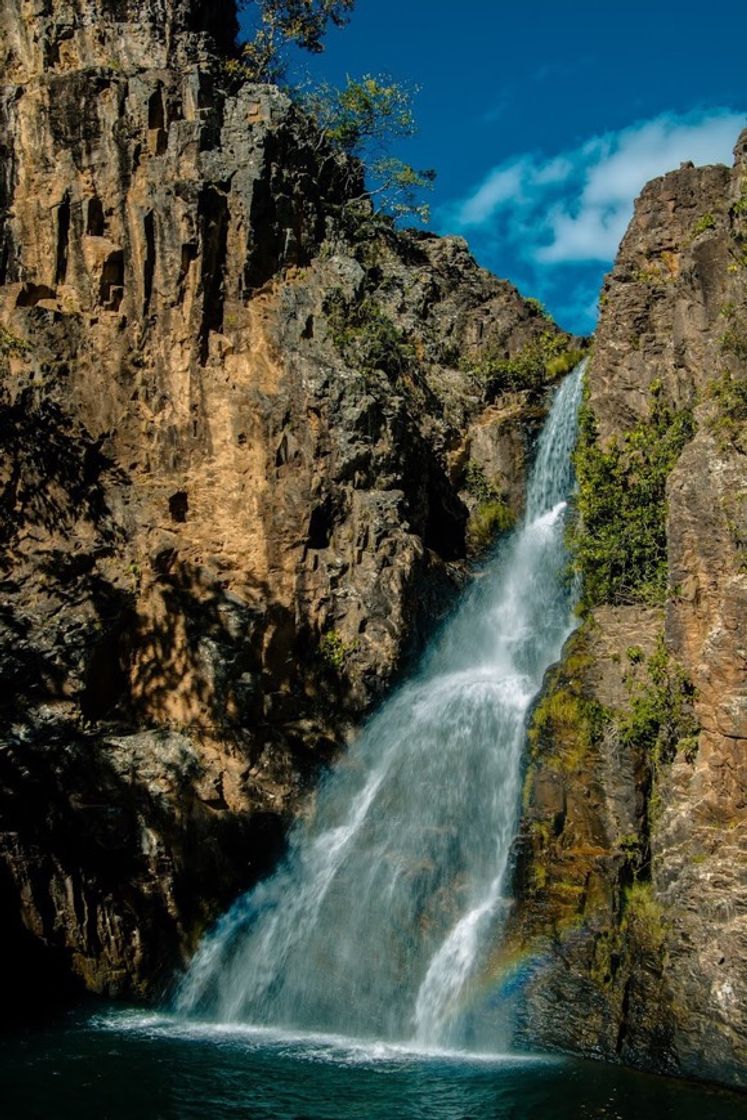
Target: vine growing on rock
column 618, row 537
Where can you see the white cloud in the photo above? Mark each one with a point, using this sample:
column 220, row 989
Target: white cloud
column 575, row 205
column 555, row 171
column 591, row 235
column 501, row 186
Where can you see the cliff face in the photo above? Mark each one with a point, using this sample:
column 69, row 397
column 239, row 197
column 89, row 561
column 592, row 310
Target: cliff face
column 240, row 460
column 631, row 863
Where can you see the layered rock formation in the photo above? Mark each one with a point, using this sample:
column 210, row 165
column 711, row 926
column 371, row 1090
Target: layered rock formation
column 632, row 861
column 239, row 461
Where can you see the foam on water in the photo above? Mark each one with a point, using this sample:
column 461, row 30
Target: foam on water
column 299, row 1045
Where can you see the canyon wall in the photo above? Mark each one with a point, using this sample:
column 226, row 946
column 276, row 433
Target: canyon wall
column 253, row 436
column 631, row 922
column 244, row 464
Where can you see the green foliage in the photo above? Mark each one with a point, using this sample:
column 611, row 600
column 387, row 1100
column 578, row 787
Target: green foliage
column 687, row 746
column 491, row 515
column 566, row 722
column 362, row 119
column 333, row 650
column 562, row 363
column 11, row 346
column 661, row 711
column 543, row 359
column 734, row 341
column 279, row 25
column 489, row 518
column 729, row 393
column 654, row 275
column 643, row 921
column 631, row 847
column 538, row 307
column 476, row 482
column 372, row 109
column 366, row 337
column 571, row 722
column 703, row 223
column 618, row 537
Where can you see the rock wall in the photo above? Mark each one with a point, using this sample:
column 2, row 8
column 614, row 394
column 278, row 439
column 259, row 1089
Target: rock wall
column 631, row 921
column 240, row 460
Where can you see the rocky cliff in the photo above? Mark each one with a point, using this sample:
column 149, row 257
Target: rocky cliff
column 631, row 924
column 249, row 440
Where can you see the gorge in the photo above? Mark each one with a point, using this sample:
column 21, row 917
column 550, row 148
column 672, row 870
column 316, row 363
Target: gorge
column 257, row 444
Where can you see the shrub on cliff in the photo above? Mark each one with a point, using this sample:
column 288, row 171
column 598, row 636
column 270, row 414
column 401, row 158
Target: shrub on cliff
column 542, row 360
column 366, row 337
column 619, row 536
column 361, row 118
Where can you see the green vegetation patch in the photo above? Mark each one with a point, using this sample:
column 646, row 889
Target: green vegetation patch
column 544, row 359
column 566, row 723
column 487, row 521
column 333, row 650
column 538, row 307
column 618, row 537
column 643, row 924
column 11, row 346
column 492, row 514
column 702, row 224
column 729, row 394
column 660, row 720
column 366, row 337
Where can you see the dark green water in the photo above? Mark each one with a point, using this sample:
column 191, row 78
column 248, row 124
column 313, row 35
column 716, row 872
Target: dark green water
column 131, row 1066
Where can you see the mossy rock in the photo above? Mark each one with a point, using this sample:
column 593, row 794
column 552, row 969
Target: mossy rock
column 489, row 519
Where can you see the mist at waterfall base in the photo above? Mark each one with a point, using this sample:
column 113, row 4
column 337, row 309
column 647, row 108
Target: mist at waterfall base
column 359, row 981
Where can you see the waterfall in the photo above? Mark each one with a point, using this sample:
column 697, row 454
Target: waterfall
column 393, row 893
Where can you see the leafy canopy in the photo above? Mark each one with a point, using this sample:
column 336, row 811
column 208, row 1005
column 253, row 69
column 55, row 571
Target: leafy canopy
column 279, row 24
column 362, row 119
column 619, row 539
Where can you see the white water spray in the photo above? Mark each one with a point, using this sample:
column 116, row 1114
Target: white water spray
column 393, row 895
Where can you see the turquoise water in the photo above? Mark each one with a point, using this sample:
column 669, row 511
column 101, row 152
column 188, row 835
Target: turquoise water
column 123, row 1065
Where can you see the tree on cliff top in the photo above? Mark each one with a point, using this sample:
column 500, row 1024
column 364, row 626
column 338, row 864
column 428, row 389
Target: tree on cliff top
column 279, row 24
column 363, row 118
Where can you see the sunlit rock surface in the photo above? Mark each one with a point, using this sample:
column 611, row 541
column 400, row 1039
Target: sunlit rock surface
column 657, row 977
column 221, row 539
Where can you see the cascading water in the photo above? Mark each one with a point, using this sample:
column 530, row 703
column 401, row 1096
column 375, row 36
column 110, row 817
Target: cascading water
column 385, row 911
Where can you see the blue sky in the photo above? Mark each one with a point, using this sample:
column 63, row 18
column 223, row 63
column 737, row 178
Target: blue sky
column 544, row 120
